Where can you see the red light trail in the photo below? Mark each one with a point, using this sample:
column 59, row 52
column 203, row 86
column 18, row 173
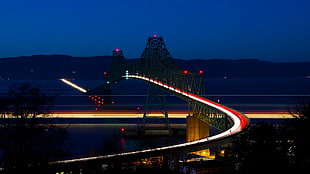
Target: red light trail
column 240, row 123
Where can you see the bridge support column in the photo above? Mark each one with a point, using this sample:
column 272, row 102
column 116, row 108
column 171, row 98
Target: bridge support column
column 195, row 130
column 156, row 104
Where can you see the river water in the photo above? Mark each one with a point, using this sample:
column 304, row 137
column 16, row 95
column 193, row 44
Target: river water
column 88, row 137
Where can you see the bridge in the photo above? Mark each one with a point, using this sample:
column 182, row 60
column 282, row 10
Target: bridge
column 156, row 67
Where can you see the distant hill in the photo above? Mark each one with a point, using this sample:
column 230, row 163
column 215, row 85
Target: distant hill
column 41, row 67
column 47, row 67
column 251, row 68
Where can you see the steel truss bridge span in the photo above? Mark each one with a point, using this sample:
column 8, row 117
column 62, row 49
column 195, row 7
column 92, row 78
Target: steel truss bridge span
column 239, row 123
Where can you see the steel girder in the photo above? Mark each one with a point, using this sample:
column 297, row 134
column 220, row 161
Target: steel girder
column 156, row 63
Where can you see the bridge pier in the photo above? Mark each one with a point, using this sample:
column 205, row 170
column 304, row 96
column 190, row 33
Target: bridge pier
column 195, row 130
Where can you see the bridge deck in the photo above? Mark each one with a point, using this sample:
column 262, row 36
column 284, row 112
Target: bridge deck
column 240, row 122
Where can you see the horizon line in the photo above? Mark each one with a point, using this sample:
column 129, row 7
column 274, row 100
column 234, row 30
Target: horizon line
column 207, row 59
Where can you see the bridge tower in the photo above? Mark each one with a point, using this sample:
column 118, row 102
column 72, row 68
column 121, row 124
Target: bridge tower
column 113, row 75
column 115, row 71
column 155, row 109
column 155, row 49
column 156, row 63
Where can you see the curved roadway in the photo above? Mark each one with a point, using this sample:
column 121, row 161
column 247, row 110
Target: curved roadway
column 240, row 122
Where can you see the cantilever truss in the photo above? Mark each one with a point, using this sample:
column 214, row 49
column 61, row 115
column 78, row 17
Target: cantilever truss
column 156, row 63
column 155, row 102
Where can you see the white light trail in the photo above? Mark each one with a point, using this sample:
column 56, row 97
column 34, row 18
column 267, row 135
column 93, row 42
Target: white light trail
column 240, row 122
column 73, row 85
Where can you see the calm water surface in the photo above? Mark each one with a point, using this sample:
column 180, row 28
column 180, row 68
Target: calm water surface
column 95, row 138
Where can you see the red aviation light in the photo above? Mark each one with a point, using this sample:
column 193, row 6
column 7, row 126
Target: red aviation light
column 155, row 35
column 117, row 50
column 200, row 72
column 105, row 73
column 185, row 72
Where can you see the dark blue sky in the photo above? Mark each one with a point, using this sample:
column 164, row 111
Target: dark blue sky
column 274, row 30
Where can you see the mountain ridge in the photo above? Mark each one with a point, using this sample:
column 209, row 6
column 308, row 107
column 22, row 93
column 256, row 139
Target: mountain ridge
column 48, row 67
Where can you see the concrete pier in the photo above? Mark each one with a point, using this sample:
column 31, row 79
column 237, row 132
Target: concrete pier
column 195, row 130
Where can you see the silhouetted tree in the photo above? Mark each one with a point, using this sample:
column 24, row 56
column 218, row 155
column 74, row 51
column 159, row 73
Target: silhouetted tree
column 26, row 136
column 271, row 148
column 259, row 150
column 298, row 134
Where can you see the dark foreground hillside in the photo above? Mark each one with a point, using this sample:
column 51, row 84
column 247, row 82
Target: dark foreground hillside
column 46, row 67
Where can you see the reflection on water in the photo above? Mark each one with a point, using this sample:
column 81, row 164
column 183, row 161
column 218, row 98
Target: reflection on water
column 88, row 139
column 98, row 139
